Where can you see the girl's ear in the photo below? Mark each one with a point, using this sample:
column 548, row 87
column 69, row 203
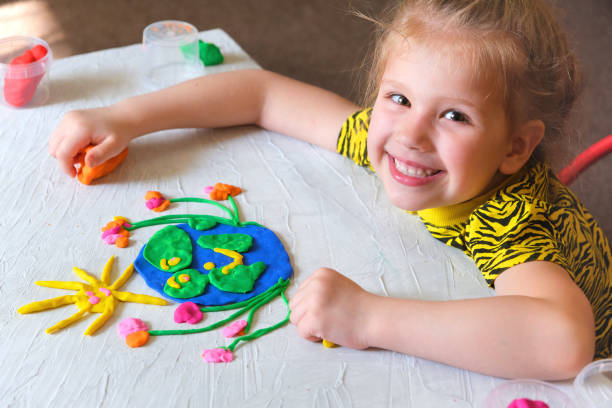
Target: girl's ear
column 524, row 141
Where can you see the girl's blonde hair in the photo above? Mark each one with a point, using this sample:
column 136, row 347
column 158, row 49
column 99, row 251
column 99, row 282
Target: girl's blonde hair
column 517, row 45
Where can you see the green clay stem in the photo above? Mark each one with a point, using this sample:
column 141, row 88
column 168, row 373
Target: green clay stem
column 259, row 304
column 233, row 203
column 280, row 283
column 202, row 329
column 233, row 216
column 249, row 304
column 264, row 331
column 176, row 219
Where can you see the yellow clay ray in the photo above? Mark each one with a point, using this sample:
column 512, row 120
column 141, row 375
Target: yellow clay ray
column 123, row 278
column 47, row 304
column 105, row 277
column 136, row 298
column 67, row 322
column 85, row 276
column 97, row 297
column 63, row 285
column 103, row 318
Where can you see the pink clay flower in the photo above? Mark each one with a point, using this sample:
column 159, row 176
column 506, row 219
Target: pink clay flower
column 188, row 312
column 218, row 355
column 235, row 329
column 156, row 201
column 131, row 325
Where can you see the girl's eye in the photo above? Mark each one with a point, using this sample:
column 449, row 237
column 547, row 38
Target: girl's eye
column 400, row 99
column 456, row 116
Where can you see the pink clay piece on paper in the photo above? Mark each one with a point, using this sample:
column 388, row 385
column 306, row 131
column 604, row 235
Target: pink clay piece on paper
column 527, row 403
column 154, row 203
column 218, row 355
column 111, row 231
column 111, row 238
column 188, row 312
column 130, row 325
column 235, row 329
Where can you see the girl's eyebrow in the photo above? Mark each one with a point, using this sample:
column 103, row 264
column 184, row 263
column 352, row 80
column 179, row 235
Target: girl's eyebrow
column 394, row 83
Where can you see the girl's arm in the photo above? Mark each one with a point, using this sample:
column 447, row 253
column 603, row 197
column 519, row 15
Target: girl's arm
column 244, row 97
column 539, row 324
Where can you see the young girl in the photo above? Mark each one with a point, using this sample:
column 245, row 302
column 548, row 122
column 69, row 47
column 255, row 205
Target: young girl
column 462, row 92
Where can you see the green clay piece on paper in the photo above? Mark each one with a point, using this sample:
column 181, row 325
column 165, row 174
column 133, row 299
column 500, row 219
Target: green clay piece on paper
column 201, row 224
column 186, row 284
column 169, row 249
column 233, row 242
column 240, row 279
column 210, row 54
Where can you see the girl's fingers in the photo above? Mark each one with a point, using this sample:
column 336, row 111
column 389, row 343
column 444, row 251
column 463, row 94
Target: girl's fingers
column 109, row 148
column 66, row 154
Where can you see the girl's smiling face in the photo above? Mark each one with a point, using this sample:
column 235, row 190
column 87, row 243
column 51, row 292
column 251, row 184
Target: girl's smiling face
column 437, row 136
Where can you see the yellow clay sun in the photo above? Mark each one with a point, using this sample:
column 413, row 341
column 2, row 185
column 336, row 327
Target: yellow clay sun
column 95, row 296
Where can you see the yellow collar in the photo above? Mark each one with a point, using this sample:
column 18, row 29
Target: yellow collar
column 459, row 213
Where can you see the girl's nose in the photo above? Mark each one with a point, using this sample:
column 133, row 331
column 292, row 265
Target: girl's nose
column 414, row 132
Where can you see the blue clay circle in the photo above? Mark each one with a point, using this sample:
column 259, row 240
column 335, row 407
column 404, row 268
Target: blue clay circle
column 267, row 248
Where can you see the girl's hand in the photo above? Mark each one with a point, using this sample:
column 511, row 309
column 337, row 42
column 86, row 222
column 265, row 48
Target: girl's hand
column 78, row 129
column 330, row 306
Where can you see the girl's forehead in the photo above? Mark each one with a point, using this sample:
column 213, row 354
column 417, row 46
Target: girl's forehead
column 454, row 57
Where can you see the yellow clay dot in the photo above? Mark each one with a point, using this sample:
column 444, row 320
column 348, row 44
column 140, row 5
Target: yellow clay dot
column 184, row 278
column 172, row 283
column 209, row 265
column 174, row 261
column 329, row 344
column 163, row 264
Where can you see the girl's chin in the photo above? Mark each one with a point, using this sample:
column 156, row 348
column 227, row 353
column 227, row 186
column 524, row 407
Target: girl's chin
column 404, row 203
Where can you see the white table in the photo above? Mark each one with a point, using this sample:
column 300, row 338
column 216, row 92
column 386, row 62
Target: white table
column 327, row 212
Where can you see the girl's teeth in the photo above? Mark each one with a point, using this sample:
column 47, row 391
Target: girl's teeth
column 413, row 171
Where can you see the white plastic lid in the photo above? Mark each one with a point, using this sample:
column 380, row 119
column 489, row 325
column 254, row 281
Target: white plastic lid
column 593, row 386
column 169, row 33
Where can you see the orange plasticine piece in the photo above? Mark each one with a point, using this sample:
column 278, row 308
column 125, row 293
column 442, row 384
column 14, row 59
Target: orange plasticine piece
column 137, row 339
column 222, row 191
column 122, row 242
column 88, row 174
column 152, row 194
column 156, row 194
column 162, row 206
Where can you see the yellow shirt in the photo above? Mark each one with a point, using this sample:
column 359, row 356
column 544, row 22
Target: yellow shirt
column 532, row 216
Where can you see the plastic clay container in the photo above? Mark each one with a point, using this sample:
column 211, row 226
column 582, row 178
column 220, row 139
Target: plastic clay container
column 171, row 52
column 24, row 71
column 506, row 392
column 593, row 386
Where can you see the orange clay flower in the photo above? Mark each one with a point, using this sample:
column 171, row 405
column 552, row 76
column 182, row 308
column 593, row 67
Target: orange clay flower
column 221, row 191
column 134, row 331
column 115, row 233
column 156, row 201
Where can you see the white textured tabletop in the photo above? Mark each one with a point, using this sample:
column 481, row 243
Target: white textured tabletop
column 326, row 211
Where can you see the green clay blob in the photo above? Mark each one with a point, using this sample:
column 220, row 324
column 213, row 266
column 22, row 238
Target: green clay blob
column 167, row 244
column 209, row 53
column 195, row 286
column 234, row 242
column 201, row 224
column 240, row 279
